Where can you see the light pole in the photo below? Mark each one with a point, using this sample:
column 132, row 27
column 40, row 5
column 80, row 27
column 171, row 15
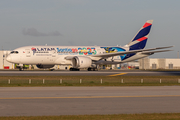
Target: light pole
column 3, row 56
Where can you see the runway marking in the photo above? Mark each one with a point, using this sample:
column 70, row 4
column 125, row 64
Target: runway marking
column 117, row 74
column 16, row 98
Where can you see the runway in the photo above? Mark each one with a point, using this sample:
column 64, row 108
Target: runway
column 90, row 73
column 45, row 101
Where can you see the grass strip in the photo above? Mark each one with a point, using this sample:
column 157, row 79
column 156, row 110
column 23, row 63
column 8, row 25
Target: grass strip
column 154, row 116
column 8, row 81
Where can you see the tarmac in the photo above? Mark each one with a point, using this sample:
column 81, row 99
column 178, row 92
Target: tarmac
column 89, row 73
column 45, row 101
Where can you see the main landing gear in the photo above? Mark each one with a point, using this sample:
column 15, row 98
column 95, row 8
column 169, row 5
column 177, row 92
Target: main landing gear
column 89, row 69
column 74, row 69
column 92, row 69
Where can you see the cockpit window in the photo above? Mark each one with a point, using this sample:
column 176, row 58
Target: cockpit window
column 14, row 52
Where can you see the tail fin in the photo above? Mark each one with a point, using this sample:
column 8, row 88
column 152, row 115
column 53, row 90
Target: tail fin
column 140, row 39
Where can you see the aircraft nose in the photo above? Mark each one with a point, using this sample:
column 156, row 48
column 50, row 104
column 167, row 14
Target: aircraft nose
column 9, row 58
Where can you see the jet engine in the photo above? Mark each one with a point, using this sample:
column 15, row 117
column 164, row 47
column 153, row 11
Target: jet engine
column 44, row 66
column 81, row 62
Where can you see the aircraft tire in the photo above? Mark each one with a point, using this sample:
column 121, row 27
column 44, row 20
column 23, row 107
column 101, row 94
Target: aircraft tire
column 74, row 69
column 89, row 69
column 21, row 69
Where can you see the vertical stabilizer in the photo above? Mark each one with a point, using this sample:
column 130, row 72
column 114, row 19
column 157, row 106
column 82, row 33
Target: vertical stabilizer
column 140, row 39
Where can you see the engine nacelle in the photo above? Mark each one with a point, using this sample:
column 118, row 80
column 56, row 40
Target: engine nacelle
column 44, row 66
column 81, row 62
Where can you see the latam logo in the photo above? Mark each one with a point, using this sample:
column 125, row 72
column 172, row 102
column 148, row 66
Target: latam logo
column 42, row 50
column 34, row 50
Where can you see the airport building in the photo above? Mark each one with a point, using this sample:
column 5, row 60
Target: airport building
column 159, row 63
column 145, row 63
column 3, row 63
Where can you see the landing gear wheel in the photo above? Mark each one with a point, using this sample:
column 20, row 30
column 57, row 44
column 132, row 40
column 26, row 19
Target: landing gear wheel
column 92, row 69
column 74, row 69
column 89, row 69
column 21, row 69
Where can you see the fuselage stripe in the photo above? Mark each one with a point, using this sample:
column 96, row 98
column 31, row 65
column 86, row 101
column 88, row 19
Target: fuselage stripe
column 141, row 39
column 146, row 25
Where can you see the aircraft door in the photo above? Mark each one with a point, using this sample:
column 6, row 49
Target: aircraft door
column 27, row 51
column 54, row 53
column 116, row 58
column 99, row 51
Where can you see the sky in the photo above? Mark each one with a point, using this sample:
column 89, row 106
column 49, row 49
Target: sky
column 89, row 22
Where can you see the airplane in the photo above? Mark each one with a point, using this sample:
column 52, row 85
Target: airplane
column 89, row 57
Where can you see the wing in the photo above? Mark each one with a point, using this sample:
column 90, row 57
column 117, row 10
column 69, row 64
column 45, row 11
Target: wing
column 105, row 55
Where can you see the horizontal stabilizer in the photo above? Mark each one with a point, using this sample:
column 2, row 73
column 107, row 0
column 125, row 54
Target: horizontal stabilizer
column 152, row 52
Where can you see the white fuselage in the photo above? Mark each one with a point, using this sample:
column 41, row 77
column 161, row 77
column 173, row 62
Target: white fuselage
column 52, row 54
